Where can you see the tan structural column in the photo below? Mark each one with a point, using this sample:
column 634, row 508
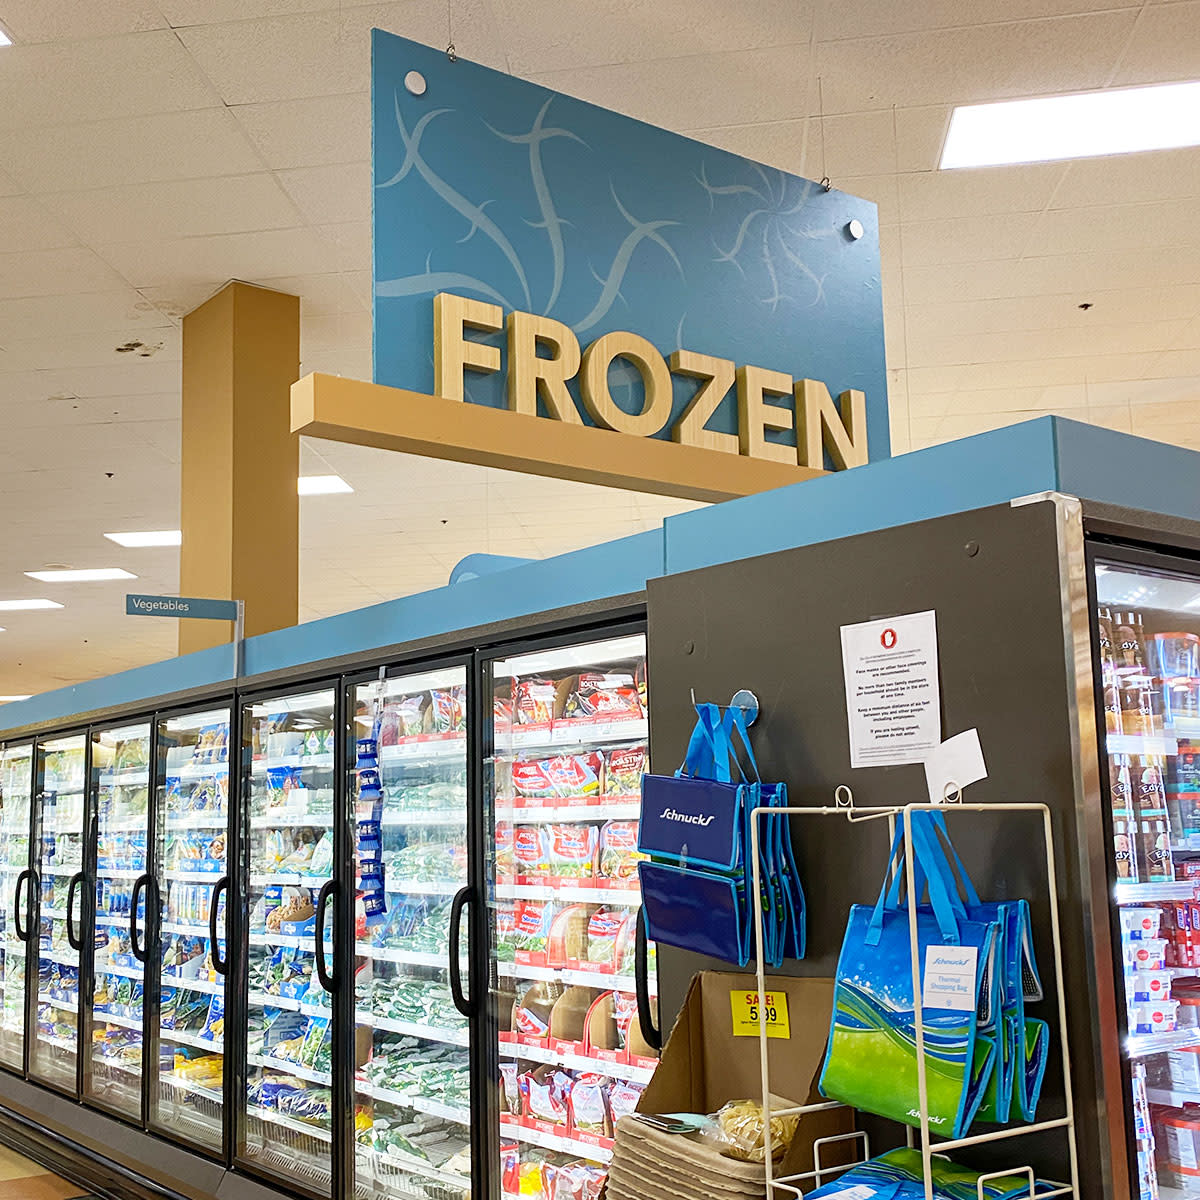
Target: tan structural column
column 239, row 511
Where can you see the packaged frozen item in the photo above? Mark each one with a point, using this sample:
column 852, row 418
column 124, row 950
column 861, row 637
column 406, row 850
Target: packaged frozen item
column 588, row 1101
column 1140, row 924
column 510, row 1094
column 1157, row 1016
column 533, row 701
column 544, row 1094
column 566, row 940
column 505, row 856
column 623, row 1098
column 531, row 779
column 613, row 697
column 571, row 850
column 619, row 856
column 624, row 767
column 1148, row 985
column 578, row 1181
column 532, row 920
column 531, row 1012
column 1146, row 955
column 214, row 1022
column 609, row 937
column 446, row 711
column 1177, row 1142
column 529, row 850
column 1184, row 1068
column 502, row 713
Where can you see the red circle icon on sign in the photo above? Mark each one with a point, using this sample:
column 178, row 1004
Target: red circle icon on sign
column 887, row 639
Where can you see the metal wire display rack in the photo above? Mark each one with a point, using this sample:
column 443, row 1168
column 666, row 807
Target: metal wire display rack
column 785, row 1187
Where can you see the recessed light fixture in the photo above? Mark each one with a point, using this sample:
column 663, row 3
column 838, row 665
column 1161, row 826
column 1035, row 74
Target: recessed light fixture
column 27, row 605
column 10, row 699
column 1086, row 125
column 5, row 40
column 91, row 575
column 321, row 485
column 158, row 537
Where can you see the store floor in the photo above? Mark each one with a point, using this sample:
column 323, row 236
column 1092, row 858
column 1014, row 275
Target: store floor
column 23, row 1179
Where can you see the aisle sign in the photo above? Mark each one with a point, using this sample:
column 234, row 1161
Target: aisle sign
column 184, row 607
column 747, row 1008
column 538, row 254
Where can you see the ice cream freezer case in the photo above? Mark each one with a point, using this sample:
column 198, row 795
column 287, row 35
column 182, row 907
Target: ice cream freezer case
column 369, row 934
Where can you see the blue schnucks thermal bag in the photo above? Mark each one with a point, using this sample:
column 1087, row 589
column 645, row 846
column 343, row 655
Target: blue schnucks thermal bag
column 695, row 826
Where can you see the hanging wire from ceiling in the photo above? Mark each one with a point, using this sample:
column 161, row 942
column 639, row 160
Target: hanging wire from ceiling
column 451, row 52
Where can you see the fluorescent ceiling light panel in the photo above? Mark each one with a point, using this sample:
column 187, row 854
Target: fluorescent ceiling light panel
column 1115, row 121
column 5, row 40
column 91, row 575
column 27, row 605
column 10, row 699
column 321, row 485
column 159, row 537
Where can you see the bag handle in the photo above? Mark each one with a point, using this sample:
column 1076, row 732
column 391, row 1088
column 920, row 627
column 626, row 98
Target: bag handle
column 939, row 899
column 710, row 748
column 939, row 835
column 740, row 724
column 931, row 854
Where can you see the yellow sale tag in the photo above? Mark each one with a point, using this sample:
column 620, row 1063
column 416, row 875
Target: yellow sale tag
column 746, row 1014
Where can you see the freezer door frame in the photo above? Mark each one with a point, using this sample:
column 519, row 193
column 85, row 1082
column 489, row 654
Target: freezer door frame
column 31, row 744
column 1125, row 551
column 33, row 947
column 152, row 968
column 485, row 1149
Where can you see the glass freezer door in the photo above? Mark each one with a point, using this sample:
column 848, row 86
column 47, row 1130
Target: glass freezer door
column 58, row 875
column 287, row 828
column 1148, row 624
column 186, row 888
column 569, row 732
column 412, row 1081
column 16, row 787
column 121, row 782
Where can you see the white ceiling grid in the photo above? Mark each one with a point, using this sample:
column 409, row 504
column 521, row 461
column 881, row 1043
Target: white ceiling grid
column 152, row 149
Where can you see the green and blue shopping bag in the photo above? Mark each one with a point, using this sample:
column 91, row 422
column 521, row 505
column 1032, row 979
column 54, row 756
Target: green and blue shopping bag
column 898, row 1175
column 695, row 826
column 871, row 1058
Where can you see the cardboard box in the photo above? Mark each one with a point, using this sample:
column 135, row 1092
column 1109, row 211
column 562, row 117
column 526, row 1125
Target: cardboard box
column 704, row 1066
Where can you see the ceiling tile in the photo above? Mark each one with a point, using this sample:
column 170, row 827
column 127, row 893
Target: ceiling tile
column 213, row 261
column 853, row 144
column 850, row 21
column 939, row 195
column 1164, row 48
column 1160, row 223
column 9, row 186
column 61, row 82
column 968, row 65
column 330, row 195
column 1129, row 179
column 324, row 53
column 119, row 311
column 26, row 225
column 326, row 295
column 920, row 133
column 778, row 144
column 309, row 132
column 50, row 272
column 207, row 12
column 965, row 239
column 351, row 244
column 667, row 91
column 882, row 189
column 92, row 349
column 618, row 31
column 70, row 20
column 146, row 149
column 335, row 332
column 179, row 208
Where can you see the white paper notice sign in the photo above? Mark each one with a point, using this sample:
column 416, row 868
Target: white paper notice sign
column 955, row 763
column 892, row 699
column 950, row 977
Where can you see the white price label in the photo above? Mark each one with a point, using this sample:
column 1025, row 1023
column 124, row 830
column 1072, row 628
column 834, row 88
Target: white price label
column 950, row 977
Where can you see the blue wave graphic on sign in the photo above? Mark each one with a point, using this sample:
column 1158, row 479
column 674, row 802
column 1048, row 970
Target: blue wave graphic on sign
column 498, row 189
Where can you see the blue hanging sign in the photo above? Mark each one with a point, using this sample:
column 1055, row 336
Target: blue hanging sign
column 590, row 267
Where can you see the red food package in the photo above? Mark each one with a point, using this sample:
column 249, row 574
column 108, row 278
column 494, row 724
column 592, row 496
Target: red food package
column 574, row 775
column 532, row 779
column 578, row 1181
column 502, row 713
column 529, row 850
column 609, row 937
column 504, row 849
column 624, row 767
column 572, row 850
column 533, row 701
column 614, row 697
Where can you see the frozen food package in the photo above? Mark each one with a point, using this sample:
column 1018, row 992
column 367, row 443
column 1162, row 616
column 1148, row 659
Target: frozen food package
column 576, row 775
column 531, row 779
column 624, row 767
column 505, row 859
column 578, row 1181
column 623, row 1098
column 510, row 1095
column 611, row 696
column 609, row 937
column 588, row 1101
column 533, row 701
column 531, row 925
column 571, row 850
column 530, row 853
column 619, row 855
column 566, row 940
column 446, row 711
column 531, row 1012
